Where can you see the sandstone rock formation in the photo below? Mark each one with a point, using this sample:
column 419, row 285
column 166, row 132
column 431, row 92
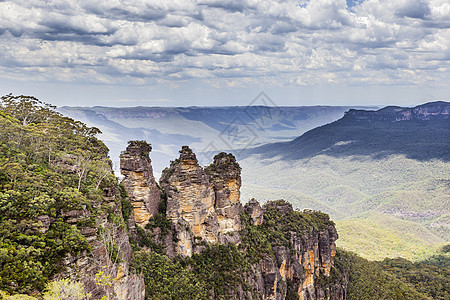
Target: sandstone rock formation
column 204, row 207
column 207, row 200
column 190, row 200
column 225, row 175
column 308, row 257
column 254, row 210
column 139, row 183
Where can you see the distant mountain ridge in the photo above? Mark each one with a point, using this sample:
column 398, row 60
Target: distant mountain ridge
column 438, row 110
column 422, row 132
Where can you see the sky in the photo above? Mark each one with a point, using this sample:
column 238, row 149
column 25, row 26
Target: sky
column 220, row 53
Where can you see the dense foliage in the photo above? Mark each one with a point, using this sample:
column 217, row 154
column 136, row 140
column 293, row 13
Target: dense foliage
column 430, row 277
column 279, row 221
column 50, row 167
column 393, row 278
column 216, row 272
column 385, row 183
column 391, row 207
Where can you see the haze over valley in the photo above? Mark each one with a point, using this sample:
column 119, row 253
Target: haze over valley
column 205, row 129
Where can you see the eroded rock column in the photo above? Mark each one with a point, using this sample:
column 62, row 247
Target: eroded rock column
column 225, row 175
column 135, row 165
column 190, row 201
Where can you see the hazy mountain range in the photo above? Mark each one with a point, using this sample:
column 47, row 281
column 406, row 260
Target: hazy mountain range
column 207, row 130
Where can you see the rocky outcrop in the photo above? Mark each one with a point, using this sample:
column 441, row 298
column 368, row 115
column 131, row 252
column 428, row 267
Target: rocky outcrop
column 139, row 183
column 190, row 201
column 301, row 266
column 254, row 210
column 225, row 175
column 109, row 253
column 205, row 200
column 203, row 205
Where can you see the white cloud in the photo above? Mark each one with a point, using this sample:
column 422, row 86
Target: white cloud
column 228, row 42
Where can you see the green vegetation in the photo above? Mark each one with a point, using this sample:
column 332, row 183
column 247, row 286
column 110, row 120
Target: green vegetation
column 368, row 280
column 387, row 207
column 159, row 221
column 430, row 277
column 217, row 271
column 65, row 289
column 376, row 236
column 279, row 221
column 53, row 173
column 366, row 171
column 145, row 147
column 126, row 205
column 51, row 169
column 254, row 242
column 394, row 278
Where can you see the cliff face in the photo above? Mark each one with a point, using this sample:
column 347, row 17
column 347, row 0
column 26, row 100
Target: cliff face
column 299, row 266
column 139, row 183
column 254, row 210
column 110, row 251
column 430, row 111
column 225, row 175
column 190, row 201
column 204, row 200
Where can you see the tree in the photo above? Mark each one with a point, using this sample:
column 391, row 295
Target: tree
column 114, row 241
column 27, row 109
column 101, row 168
column 65, row 289
column 82, row 163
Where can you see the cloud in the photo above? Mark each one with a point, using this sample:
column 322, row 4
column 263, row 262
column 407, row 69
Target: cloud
column 227, row 42
column 413, row 9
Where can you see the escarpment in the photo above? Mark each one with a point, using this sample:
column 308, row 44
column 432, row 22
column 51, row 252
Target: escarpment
column 438, row 110
column 104, row 268
column 288, row 254
column 61, row 218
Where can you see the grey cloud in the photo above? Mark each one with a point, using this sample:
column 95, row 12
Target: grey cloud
column 417, row 9
column 282, row 28
column 172, row 21
column 117, row 13
column 155, row 57
column 436, row 24
column 15, row 32
column 60, row 26
column 231, row 5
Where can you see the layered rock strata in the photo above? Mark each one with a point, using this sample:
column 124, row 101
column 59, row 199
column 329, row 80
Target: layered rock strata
column 254, row 210
column 139, row 183
column 225, row 175
column 204, row 207
column 298, row 266
column 206, row 200
column 438, row 110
